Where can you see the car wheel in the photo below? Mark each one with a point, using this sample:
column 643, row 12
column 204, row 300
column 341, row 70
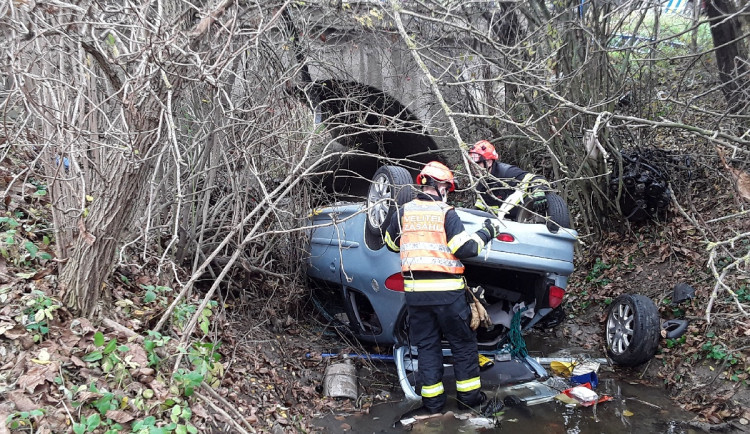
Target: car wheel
column 557, row 213
column 405, row 357
column 632, row 330
column 385, row 194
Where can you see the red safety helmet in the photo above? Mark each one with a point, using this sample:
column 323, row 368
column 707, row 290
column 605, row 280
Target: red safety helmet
column 437, row 171
column 483, row 150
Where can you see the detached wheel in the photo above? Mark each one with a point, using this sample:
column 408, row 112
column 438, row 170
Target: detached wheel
column 632, row 330
column 557, row 215
column 385, row 194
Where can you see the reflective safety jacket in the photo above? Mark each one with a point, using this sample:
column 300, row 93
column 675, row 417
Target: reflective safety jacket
column 423, row 285
column 424, row 245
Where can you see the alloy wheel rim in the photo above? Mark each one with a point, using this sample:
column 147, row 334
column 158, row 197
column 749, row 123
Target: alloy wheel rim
column 377, row 200
column 620, row 328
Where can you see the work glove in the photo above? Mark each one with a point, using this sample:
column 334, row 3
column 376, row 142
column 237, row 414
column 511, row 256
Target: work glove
column 491, row 227
column 478, row 293
column 539, row 203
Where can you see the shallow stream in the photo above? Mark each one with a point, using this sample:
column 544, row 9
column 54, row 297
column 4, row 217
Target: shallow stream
column 634, row 408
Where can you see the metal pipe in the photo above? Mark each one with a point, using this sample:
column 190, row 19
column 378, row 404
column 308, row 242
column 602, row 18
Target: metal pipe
column 548, row 360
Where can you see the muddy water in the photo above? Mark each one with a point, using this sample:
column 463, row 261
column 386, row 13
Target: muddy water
column 635, row 408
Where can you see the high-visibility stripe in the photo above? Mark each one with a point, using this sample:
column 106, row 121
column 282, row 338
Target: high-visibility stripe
column 433, row 391
column 426, row 246
column 479, row 204
column 433, row 285
column 459, row 240
column 468, row 385
column 411, row 263
column 389, row 242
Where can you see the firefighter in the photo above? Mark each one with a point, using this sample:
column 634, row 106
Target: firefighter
column 431, row 240
column 503, row 181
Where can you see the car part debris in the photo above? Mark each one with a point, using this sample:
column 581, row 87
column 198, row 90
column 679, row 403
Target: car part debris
column 674, row 328
column 644, row 181
column 632, row 330
column 682, row 292
column 341, row 380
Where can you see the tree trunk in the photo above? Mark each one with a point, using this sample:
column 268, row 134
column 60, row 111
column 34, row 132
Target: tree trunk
column 730, row 52
column 92, row 254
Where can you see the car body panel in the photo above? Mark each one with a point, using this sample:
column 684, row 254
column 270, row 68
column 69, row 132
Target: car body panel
column 339, row 255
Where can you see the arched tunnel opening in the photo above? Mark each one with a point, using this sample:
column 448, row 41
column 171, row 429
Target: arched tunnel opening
column 378, row 130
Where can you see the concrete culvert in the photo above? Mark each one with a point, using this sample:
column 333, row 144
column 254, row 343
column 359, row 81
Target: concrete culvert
column 377, row 129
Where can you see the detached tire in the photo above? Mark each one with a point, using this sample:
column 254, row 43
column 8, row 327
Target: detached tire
column 632, row 330
column 389, row 189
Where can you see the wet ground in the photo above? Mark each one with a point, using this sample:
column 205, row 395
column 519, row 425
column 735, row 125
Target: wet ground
column 634, row 408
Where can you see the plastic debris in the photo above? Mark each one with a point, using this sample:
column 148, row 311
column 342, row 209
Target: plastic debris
column 682, row 292
column 581, row 396
column 564, row 369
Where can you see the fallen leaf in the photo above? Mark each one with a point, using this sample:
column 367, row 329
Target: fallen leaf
column 627, row 413
column 15, row 332
column 119, row 416
column 43, row 358
column 22, row 401
column 37, row 375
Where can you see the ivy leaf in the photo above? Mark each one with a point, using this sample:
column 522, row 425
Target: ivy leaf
column 31, row 248
column 93, row 421
column 98, row 339
column 150, row 296
column 111, row 346
column 92, row 356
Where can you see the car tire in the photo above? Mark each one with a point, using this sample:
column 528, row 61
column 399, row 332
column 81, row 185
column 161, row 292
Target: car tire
column 385, row 195
column 557, row 213
column 632, row 330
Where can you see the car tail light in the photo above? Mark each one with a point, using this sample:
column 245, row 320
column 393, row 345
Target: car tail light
column 555, row 296
column 395, row 282
column 506, row 238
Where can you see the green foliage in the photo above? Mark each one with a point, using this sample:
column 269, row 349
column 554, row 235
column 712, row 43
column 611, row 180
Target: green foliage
column 22, row 420
column 719, row 352
column 203, row 321
column 182, row 313
column 155, row 293
column 743, row 294
column 38, row 313
column 205, row 359
column 671, row 343
column 16, row 244
column 88, row 425
column 110, row 357
column 179, row 425
column 595, row 275
column 151, row 343
column 187, row 381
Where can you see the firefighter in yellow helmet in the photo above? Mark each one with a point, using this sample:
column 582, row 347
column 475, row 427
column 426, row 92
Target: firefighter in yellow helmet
column 431, row 240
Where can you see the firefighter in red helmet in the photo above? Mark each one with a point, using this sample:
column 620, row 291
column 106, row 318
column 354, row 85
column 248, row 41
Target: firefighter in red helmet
column 504, row 180
column 432, row 240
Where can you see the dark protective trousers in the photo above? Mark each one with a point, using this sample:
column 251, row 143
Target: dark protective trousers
column 427, row 324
